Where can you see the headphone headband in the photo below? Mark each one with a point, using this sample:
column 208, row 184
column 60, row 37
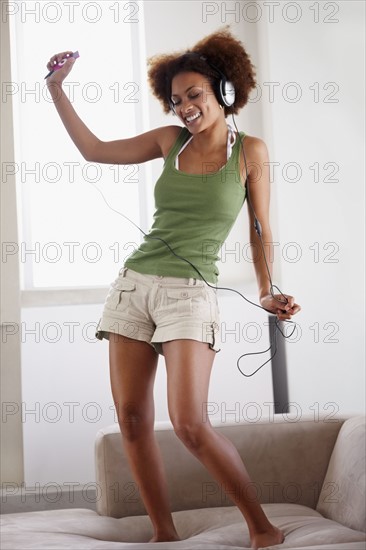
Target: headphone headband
column 214, row 67
column 224, row 90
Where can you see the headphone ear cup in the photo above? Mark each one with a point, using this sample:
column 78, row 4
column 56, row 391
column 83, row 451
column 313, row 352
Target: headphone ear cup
column 227, row 93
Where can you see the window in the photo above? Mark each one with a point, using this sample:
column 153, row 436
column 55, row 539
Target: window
column 69, row 237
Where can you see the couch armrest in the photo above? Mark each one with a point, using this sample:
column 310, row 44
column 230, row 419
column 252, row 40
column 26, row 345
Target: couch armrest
column 343, row 495
column 287, row 460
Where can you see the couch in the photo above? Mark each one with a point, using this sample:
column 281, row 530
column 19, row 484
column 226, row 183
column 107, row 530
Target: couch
column 309, row 474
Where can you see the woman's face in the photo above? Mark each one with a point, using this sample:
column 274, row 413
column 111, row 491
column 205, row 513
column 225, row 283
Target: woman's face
column 194, row 101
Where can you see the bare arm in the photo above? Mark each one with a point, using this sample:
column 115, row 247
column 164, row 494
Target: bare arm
column 80, row 134
column 144, row 147
column 259, row 190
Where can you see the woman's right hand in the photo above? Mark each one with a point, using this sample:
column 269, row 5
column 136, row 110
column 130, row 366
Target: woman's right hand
column 59, row 76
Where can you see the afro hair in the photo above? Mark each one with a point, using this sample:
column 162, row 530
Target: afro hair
column 223, row 51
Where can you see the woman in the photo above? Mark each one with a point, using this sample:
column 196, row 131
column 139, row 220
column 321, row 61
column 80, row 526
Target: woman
column 158, row 304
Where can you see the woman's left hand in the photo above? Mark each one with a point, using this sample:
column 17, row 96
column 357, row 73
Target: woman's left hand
column 283, row 311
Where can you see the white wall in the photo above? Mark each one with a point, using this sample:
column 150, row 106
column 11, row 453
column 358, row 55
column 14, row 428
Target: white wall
column 313, row 131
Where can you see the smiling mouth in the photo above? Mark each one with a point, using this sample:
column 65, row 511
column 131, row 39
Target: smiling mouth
column 191, row 118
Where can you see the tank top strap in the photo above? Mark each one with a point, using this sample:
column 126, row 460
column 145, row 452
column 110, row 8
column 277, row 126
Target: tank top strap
column 233, row 164
column 237, row 148
column 183, row 136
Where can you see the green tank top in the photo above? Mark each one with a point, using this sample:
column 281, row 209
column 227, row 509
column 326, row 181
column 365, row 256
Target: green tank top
column 194, row 214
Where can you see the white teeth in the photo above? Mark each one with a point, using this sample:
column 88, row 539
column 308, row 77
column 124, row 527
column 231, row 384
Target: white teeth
column 192, row 117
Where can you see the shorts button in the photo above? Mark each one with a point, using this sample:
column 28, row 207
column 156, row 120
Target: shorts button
column 184, row 294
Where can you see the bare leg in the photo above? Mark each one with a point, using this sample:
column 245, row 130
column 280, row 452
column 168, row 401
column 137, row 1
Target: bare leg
column 132, row 371
column 189, row 364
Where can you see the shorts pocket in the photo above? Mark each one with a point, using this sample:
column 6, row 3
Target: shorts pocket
column 187, row 300
column 119, row 295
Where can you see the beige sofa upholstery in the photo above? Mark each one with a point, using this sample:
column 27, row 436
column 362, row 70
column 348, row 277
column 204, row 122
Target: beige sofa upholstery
column 309, row 475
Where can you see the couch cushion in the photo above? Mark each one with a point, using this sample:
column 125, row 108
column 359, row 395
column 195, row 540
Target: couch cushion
column 287, row 460
column 350, row 546
column 221, row 528
column 343, row 493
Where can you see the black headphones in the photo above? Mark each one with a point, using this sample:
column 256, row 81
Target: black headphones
column 224, row 89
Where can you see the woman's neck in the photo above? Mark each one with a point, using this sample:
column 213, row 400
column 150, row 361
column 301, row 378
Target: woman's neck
column 211, row 139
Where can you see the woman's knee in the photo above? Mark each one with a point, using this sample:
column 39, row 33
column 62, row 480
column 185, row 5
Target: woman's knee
column 132, row 371
column 135, row 422
column 192, row 432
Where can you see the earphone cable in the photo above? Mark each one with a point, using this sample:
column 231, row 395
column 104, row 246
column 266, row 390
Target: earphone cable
column 223, row 288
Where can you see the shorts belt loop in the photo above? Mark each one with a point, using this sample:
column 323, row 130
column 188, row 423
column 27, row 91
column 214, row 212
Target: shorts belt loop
column 122, row 271
column 191, row 281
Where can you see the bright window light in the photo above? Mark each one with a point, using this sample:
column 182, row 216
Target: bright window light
column 69, row 237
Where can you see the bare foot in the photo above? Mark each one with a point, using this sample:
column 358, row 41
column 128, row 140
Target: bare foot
column 168, row 537
column 261, row 540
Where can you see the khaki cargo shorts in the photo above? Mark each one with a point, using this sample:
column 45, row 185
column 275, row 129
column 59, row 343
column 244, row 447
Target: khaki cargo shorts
column 156, row 309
